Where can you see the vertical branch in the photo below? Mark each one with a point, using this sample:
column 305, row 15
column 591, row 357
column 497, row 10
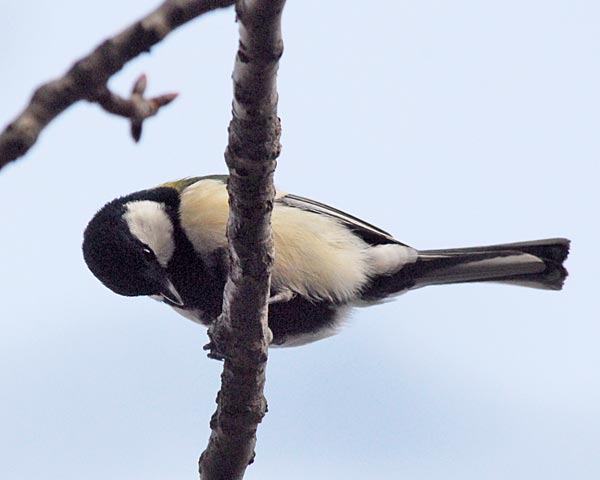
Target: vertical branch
column 241, row 335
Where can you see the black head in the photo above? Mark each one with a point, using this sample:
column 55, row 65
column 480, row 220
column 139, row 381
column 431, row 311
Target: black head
column 129, row 242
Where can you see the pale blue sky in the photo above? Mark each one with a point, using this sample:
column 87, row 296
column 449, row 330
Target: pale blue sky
column 446, row 123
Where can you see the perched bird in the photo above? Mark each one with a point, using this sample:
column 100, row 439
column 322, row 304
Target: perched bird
column 169, row 243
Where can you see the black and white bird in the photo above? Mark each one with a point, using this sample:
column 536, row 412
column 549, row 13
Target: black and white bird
column 169, row 243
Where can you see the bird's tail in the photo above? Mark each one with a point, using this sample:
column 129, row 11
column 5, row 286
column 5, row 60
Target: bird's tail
column 537, row 264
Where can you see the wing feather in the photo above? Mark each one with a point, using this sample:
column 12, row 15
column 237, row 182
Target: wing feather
column 369, row 233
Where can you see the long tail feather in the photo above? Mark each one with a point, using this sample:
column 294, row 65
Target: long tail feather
column 537, row 264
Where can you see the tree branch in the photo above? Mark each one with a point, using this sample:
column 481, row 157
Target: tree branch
column 241, row 335
column 88, row 77
column 136, row 108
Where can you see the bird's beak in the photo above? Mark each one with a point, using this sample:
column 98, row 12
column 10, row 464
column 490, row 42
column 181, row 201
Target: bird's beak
column 170, row 294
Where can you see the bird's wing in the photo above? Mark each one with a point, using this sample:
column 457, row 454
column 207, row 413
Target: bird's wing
column 181, row 185
column 369, row 233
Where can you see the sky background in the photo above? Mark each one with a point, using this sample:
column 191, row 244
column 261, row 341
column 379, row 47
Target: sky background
column 446, row 123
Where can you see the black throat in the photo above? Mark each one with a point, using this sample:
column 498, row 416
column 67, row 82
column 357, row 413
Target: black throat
column 199, row 280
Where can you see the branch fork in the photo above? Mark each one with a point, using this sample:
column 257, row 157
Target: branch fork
column 136, row 108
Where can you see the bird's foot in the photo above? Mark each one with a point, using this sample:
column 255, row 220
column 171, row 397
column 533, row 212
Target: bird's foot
column 283, row 296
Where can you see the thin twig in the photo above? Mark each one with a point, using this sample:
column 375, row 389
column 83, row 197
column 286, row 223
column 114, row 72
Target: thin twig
column 88, row 77
column 241, row 335
column 136, row 108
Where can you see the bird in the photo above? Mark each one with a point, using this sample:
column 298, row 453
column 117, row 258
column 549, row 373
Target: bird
column 169, row 243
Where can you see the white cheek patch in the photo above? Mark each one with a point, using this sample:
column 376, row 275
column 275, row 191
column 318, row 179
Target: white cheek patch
column 151, row 225
column 389, row 258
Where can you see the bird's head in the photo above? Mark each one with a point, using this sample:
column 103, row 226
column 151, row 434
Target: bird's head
column 129, row 243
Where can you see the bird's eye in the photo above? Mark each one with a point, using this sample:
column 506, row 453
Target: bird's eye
column 148, row 253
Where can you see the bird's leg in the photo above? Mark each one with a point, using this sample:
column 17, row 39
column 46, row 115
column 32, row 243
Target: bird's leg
column 284, row 295
column 269, row 336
